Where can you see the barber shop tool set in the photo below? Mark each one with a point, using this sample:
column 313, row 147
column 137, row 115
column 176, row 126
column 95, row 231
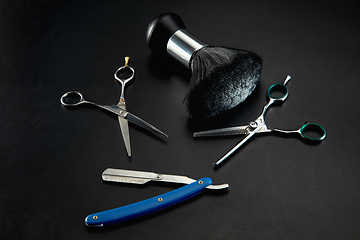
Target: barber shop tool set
column 221, row 79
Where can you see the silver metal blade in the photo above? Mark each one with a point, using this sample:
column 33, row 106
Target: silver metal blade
column 130, row 117
column 134, row 119
column 222, row 132
column 128, row 176
column 248, row 136
column 124, row 126
column 139, row 177
column 187, row 180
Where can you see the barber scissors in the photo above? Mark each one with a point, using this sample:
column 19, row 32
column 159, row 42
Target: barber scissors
column 259, row 125
column 75, row 98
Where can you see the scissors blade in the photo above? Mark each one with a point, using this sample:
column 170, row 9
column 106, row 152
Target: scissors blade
column 136, row 120
column 130, row 117
column 124, row 126
column 248, row 136
column 222, row 132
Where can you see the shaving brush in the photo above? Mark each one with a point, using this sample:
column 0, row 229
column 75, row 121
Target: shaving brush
column 221, row 77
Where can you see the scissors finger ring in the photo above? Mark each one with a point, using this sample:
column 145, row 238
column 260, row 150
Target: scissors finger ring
column 72, row 98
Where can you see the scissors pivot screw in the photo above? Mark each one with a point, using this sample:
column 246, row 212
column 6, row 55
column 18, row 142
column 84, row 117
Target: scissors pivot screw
column 253, row 124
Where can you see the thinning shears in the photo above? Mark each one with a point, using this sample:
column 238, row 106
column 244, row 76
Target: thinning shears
column 259, row 125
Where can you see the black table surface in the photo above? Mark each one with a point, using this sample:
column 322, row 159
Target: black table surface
column 52, row 157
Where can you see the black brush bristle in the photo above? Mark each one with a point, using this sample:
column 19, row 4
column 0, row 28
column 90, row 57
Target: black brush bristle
column 221, row 79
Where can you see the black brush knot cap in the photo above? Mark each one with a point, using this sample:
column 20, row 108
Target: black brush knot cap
column 161, row 29
column 221, row 79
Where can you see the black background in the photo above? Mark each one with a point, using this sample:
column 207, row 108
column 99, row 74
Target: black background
column 52, row 157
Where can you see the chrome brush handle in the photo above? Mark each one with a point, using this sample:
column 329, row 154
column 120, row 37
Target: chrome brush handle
column 167, row 33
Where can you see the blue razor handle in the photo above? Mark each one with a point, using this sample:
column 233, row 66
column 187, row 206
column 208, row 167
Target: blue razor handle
column 147, row 206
